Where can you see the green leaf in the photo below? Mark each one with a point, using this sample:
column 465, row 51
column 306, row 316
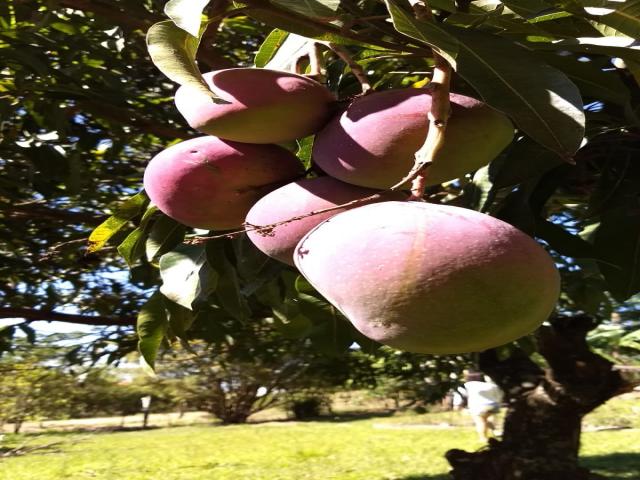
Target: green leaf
column 122, row 215
column 293, row 47
column 186, row 275
column 132, row 247
column 617, row 242
column 173, row 51
column 228, row 290
column 186, row 14
column 625, row 19
column 165, row 234
column 270, row 47
column 541, row 100
column 152, row 327
column 310, row 8
column 425, row 31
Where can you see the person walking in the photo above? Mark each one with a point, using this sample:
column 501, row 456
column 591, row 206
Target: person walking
column 483, row 399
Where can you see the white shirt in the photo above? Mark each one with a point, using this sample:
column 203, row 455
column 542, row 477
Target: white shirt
column 482, row 396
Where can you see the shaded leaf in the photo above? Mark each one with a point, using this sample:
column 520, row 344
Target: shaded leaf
column 132, row 247
column 186, row 275
column 228, row 289
column 186, row 14
column 165, row 234
column 123, row 213
column 180, row 318
column 151, row 326
column 524, row 160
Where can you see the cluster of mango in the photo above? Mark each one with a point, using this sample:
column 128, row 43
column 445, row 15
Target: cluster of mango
column 416, row 276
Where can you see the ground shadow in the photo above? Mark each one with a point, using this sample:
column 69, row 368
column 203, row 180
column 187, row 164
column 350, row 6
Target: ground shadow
column 70, row 431
column 615, row 466
column 336, row 418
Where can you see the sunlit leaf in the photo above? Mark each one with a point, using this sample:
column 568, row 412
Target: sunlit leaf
column 186, row 14
column 123, row 214
column 151, row 326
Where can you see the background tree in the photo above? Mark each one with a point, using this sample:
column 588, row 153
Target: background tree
column 584, row 205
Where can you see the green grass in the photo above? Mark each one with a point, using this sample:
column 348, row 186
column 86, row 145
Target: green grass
column 354, row 450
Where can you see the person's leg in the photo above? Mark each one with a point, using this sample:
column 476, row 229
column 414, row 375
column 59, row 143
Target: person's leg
column 480, row 422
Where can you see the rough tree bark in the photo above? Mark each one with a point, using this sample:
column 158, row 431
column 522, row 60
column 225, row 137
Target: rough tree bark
column 541, row 436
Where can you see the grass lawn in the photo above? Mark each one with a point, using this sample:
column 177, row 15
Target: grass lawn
column 369, row 449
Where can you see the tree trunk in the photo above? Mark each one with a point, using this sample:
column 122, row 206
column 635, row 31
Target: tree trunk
column 541, row 436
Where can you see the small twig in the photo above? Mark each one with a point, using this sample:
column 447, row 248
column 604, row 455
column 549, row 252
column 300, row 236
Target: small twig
column 356, row 69
column 437, row 117
column 267, row 230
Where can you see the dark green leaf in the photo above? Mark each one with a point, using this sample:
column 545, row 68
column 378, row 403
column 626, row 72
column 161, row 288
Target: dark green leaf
column 152, row 326
column 625, row 19
column 617, row 242
column 562, row 241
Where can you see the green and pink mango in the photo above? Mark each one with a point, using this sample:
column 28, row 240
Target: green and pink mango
column 211, row 183
column 372, row 144
column 300, row 198
column 265, row 106
column 430, row 278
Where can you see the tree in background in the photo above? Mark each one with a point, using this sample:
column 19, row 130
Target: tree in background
column 67, row 56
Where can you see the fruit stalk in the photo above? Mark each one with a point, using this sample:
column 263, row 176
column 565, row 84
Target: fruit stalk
column 438, row 116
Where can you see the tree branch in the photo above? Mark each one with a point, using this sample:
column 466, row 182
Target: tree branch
column 32, row 315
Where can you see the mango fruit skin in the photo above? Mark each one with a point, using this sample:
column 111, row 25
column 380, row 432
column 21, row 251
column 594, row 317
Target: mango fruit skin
column 373, row 142
column 265, row 106
column 211, row 183
column 430, row 278
column 299, row 198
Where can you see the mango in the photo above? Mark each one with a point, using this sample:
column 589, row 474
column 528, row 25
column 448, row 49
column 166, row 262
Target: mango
column 211, row 183
column 264, row 106
column 300, row 198
column 373, row 142
column 430, row 278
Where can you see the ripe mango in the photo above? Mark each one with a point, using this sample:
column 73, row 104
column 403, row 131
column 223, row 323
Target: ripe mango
column 373, row 142
column 211, row 183
column 430, row 278
column 299, row 198
column 265, row 106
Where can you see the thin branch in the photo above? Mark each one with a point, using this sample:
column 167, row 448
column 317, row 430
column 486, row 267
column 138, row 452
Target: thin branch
column 32, row 315
column 356, row 69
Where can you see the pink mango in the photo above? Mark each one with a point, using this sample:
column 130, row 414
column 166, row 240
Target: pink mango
column 265, row 106
column 430, row 278
column 211, row 183
column 372, row 144
column 299, row 198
